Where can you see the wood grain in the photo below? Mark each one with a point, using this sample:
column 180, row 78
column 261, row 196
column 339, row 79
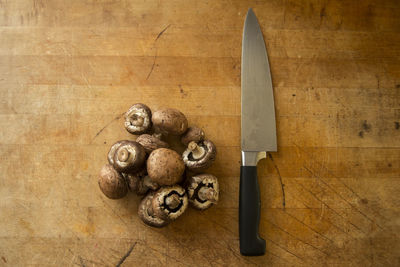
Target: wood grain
column 70, row 69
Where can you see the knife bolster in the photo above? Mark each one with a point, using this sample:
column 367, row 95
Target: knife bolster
column 251, row 158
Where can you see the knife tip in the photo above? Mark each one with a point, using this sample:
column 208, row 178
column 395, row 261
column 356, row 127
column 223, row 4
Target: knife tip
column 250, row 12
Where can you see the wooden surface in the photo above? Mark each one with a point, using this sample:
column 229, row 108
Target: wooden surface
column 69, row 69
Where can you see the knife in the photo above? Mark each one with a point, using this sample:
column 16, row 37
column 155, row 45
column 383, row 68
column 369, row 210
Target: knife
column 258, row 132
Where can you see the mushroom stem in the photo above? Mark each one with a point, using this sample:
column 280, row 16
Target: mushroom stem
column 150, row 210
column 172, row 201
column 157, row 135
column 123, row 155
column 136, row 120
column 197, row 151
column 208, row 193
column 148, row 183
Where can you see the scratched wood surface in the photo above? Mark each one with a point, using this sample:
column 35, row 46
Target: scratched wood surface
column 69, row 69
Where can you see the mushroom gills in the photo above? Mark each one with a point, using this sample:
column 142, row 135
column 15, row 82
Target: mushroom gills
column 199, row 156
column 138, row 119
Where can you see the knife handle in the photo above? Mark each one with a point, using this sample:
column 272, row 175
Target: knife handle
column 251, row 244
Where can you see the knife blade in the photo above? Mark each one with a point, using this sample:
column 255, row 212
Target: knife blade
column 258, row 132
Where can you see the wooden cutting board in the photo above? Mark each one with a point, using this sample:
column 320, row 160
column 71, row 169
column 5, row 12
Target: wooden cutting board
column 69, row 69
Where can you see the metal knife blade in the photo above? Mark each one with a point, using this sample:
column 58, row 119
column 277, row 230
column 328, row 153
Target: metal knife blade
column 258, row 132
column 258, row 111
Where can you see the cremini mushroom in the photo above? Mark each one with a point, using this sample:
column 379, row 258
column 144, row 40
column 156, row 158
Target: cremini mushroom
column 151, row 142
column 170, row 202
column 146, row 214
column 165, row 166
column 140, row 183
column 192, row 134
column 111, row 152
column 199, row 156
column 138, row 119
column 169, row 121
column 111, row 182
column 203, row 190
column 129, row 157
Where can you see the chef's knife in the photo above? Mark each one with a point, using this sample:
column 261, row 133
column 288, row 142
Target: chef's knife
column 258, row 132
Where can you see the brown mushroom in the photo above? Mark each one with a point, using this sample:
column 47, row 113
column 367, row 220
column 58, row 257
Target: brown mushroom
column 199, row 156
column 169, row 121
column 111, row 182
column 192, row 134
column 165, row 166
column 203, row 190
column 138, row 119
column 140, row 182
column 151, row 142
column 112, row 150
column 146, row 214
column 129, row 157
column 170, row 202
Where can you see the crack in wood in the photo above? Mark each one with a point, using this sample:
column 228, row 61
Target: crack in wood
column 108, row 124
column 152, row 67
column 280, row 180
column 126, row 255
column 159, row 35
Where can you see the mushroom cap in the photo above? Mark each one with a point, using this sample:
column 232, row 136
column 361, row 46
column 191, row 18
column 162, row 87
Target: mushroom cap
column 111, row 152
column 146, row 214
column 138, row 119
column 192, row 134
column 151, row 142
column 169, row 121
column 207, row 156
column 165, row 166
column 129, row 157
column 111, row 182
column 170, row 202
column 203, row 190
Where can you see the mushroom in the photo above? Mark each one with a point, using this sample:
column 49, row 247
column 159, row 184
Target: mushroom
column 138, row 119
column 151, row 142
column 199, row 156
column 140, row 182
column 129, row 157
column 165, row 166
column 192, row 134
column 169, row 121
column 111, row 182
column 170, row 202
column 203, row 190
column 113, row 148
column 145, row 212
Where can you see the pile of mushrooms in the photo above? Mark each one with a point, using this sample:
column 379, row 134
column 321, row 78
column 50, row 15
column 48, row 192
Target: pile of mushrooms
column 149, row 167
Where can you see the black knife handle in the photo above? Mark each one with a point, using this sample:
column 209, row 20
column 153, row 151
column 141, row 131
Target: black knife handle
column 251, row 244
